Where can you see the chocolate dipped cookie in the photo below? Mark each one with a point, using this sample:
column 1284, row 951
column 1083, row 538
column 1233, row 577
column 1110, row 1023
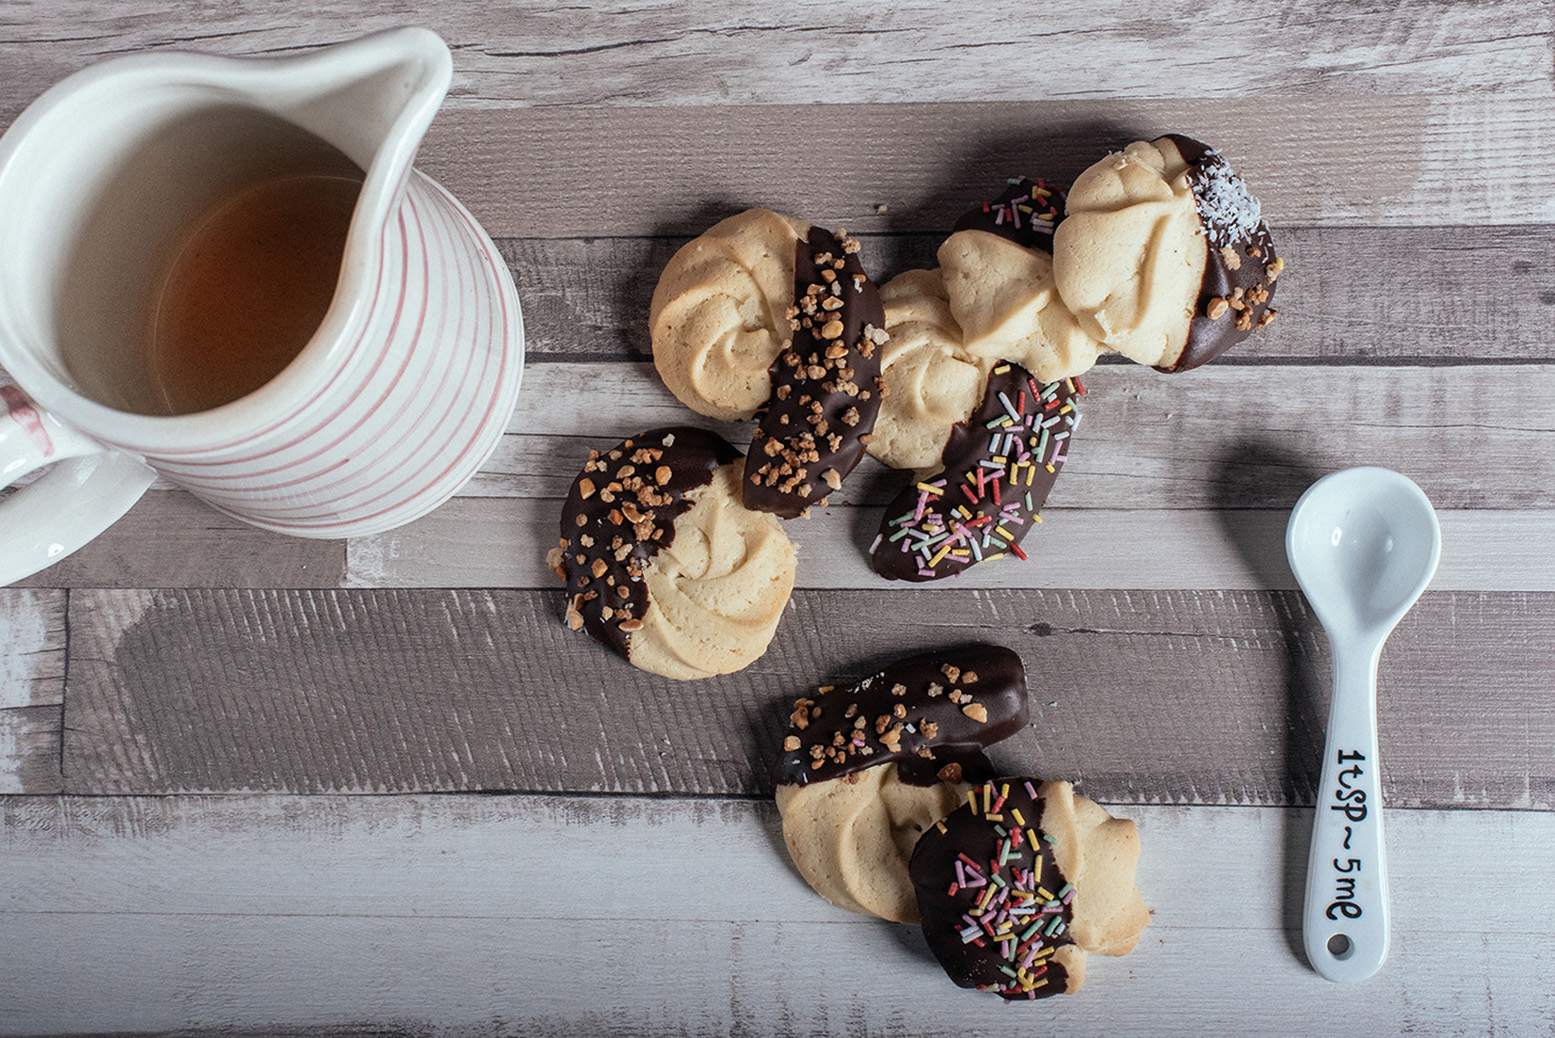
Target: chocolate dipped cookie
column 826, row 385
column 865, row 770
column 1018, row 884
column 997, row 469
column 763, row 315
column 719, row 315
column 662, row 562
column 930, row 380
column 1164, row 255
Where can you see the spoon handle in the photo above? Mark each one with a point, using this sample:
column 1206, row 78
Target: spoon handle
column 1345, row 918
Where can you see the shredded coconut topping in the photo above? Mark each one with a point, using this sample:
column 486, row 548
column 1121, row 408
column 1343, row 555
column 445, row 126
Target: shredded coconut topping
column 1230, row 213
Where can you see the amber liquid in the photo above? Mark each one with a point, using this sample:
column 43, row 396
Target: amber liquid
column 246, row 290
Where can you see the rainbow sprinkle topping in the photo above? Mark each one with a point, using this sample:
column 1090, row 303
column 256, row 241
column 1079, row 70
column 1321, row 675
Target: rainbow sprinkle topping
column 999, row 467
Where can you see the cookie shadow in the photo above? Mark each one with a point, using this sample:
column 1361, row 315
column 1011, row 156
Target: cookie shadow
column 1058, row 148
column 1258, row 475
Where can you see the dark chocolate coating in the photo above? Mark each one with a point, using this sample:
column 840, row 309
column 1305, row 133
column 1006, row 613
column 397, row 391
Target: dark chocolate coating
column 619, row 513
column 1226, row 213
column 1018, row 214
column 950, row 907
column 1006, row 501
column 825, row 390
column 921, row 713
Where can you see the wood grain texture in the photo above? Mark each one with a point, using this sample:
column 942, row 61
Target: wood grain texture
column 1146, row 696
column 32, row 689
column 1374, row 160
column 32, row 648
column 428, row 915
column 1393, row 295
column 1224, row 437
column 501, row 543
column 30, row 749
column 172, row 539
column 1234, row 437
column 800, row 52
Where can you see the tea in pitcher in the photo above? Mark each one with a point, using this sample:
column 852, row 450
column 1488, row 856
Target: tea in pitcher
column 246, row 290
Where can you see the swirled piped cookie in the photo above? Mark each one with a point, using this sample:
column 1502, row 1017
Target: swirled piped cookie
column 930, row 380
column 764, row 316
column 1023, row 880
column 867, row 769
column 998, row 271
column 719, row 315
column 663, row 564
column 1164, row 255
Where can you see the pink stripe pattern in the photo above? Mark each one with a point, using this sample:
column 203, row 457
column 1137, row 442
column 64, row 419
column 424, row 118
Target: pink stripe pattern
column 415, row 407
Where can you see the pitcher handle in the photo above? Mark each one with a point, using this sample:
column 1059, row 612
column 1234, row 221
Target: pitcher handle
column 89, row 488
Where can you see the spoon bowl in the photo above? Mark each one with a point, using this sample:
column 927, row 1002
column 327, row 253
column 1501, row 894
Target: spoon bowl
column 1363, row 544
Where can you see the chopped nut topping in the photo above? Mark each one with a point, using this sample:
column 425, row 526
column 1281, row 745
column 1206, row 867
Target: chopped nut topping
column 1217, row 308
column 976, row 711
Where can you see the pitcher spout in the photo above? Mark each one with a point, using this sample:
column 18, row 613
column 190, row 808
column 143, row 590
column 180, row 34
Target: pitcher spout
column 372, row 98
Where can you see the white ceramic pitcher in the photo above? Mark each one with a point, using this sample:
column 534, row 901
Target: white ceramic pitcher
column 394, row 403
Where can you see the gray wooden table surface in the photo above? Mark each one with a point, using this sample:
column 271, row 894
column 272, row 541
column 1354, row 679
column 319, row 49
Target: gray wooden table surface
column 263, row 785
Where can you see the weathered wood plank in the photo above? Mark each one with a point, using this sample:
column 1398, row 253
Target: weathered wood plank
column 501, row 542
column 799, row 53
column 1336, row 162
column 1159, row 696
column 172, row 539
column 1225, row 437
column 32, row 689
column 1383, row 294
column 281, row 914
column 32, row 647
column 30, row 749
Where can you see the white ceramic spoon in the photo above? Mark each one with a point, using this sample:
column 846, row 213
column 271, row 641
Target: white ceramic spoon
column 1363, row 544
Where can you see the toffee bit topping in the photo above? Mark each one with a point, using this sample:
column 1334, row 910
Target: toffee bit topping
column 626, row 511
column 813, row 425
column 894, row 717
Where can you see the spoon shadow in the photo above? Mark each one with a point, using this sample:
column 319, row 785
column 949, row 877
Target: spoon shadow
column 1256, row 473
